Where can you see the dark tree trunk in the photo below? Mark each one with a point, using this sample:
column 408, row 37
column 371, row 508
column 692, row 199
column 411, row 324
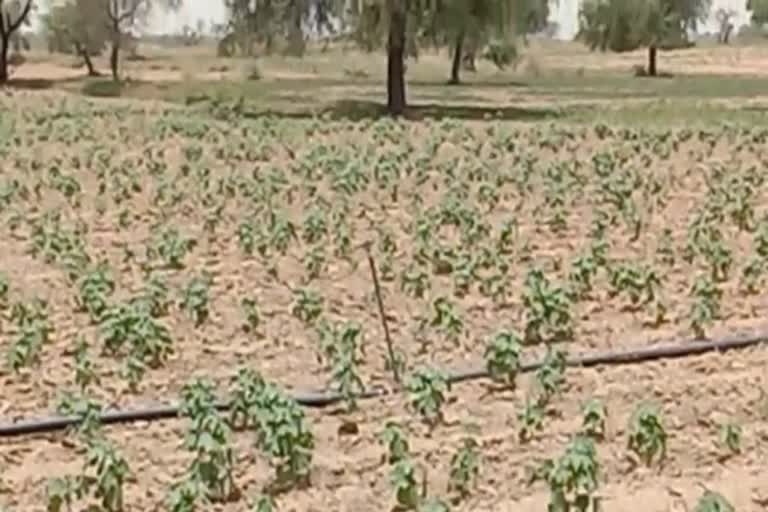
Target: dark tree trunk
column 458, row 53
column 114, row 59
column 88, row 62
column 727, row 34
column 396, row 60
column 298, row 45
column 7, row 28
column 652, row 61
column 4, row 47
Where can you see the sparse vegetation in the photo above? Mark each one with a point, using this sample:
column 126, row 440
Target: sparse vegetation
column 154, row 251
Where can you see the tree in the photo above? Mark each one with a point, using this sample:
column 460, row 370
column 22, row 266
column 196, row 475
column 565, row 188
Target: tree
column 471, row 25
column 724, row 18
column 269, row 21
column 625, row 25
column 121, row 16
column 399, row 26
column 759, row 10
column 396, row 100
column 79, row 26
column 13, row 13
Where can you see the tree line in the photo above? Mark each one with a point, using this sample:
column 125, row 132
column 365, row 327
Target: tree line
column 469, row 29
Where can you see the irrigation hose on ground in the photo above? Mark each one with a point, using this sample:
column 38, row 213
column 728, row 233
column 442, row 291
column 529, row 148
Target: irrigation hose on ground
column 326, row 398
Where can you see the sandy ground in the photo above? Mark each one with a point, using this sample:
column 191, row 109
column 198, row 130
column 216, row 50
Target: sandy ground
column 129, row 142
column 201, row 64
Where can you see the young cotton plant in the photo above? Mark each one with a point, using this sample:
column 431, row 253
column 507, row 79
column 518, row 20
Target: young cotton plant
column 712, row 501
column 307, row 305
column 280, row 426
column 396, row 442
column 550, row 376
column 104, row 474
column 426, row 391
column 465, row 468
column 195, row 299
column 572, row 478
column 171, row 247
column 33, row 331
column 447, row 319
column 131, row 325
column 730, row 438
column 208, row 437
column 105, row 470
column 705, row 308
column 647, row 436
column 594, row 415
column 410, row 494
column 95, row 288
column 548, row 314
column 339, row 345
column 502, row 357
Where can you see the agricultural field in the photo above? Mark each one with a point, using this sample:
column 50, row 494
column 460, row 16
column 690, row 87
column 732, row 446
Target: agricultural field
column 159, row 254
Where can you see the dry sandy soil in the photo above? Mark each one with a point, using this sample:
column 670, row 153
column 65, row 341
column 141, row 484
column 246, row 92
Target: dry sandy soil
column 696, row 394
column 200, row 63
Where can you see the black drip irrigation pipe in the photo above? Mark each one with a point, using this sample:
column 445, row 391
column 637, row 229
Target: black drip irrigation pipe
column 326, row 398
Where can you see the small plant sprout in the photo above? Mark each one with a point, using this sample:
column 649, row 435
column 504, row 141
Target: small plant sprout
column 447, row 319
column 245, row 399
column 156, row 296
column 397, row 444
column 95, row 288
column 705, row 308
column 5, row 288
column 730, row 437
column 86, row 410
column 195, row 299
column 433, row 505
column 85, row 375
column 753, row 276
column 187, row 495
column 105, row 470
column 547, row 310
column 426, row 389
column 465, row 467
column 712, row 501
column 265, row 503
column 403, row 479
column 307, row 305
column 172, row 248
column 340, row 345
column 111, row 471
column 62, row 492
column 252, row 318
column 531, row 419
column 573, row 478
column 593, row 419
column 502, row 357
column 208, row 436
column 647, row 437
column 410, row 494
column 284, row 435
column 550, row 376
column 33, row 330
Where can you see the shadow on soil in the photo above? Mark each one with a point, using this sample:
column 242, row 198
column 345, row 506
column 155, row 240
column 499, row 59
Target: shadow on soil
column 34, row 84
column 359, row 110
column 355, row 110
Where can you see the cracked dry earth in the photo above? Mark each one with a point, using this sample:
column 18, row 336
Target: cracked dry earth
column 142, row 168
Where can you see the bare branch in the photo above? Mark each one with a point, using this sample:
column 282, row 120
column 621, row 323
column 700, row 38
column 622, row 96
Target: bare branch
column 6, row 26
column 119, row 13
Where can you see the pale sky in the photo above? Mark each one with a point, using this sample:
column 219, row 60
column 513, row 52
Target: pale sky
column 192, row 10
column 565, row 12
